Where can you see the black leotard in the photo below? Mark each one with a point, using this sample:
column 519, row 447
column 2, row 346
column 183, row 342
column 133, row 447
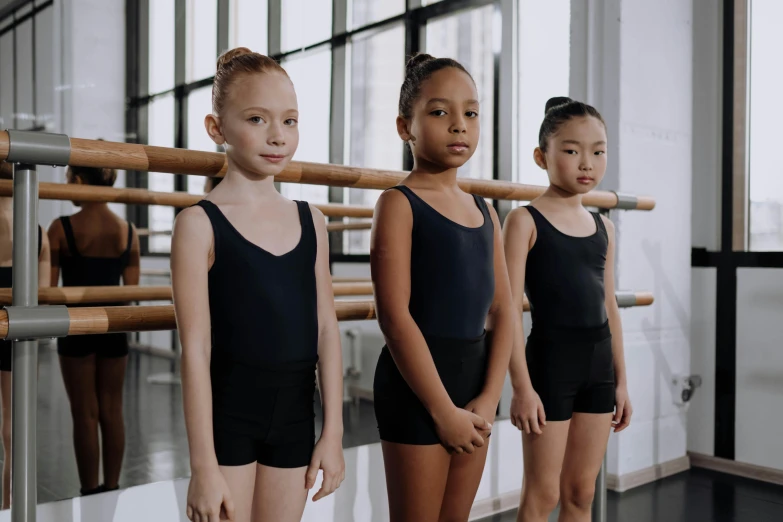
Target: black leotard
column 564, row 276
column 264, row 318
column 452, row 271
column 79, row 270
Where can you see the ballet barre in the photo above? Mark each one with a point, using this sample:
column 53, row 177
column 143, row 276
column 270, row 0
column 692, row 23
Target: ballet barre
column 132, row 196
column 59, row 149
column 78, row 295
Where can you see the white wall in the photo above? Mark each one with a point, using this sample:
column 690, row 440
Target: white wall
column 634, row 61
column 759, row 402
column 701, row 409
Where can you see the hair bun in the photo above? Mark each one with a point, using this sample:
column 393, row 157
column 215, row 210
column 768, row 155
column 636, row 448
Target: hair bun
column 557, row 100
column 418, row 59
column 229, row 55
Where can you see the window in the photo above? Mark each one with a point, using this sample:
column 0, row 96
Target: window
column 377, row 71
column 542, row 75
column 161, row 133
column 311, row 74
column 306, row 22
column 764, row 115
column 365, row 12
column 24, row 76
column 161, row 44
column 199, row 105
column 7, row 80
column 202, row 39
column 463, row 37
column 248, row 25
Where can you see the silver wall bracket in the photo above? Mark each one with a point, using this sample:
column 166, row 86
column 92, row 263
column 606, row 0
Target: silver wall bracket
column 38, row 148
column 37, row 322
column 625, row 299
column 626, row 201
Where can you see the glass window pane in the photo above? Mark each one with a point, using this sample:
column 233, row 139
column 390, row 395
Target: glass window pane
column 161, row 44
column 377, row 71
column 766, row 76
column 202, row 39
column 7, row 80
column 305, row 22
column 24, row 75
column 541, row 75
column 199, row 105
column 44, row 70
column 161, row 133
column 463, row 37
column 311, row 75
column 364, row 12
column 249, row 25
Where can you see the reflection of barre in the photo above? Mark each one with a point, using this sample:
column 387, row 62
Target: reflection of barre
column 83, row 321
column 72, row 192
column 119, row 319
column 61, row 149
column 330, row 227
column 122, row 294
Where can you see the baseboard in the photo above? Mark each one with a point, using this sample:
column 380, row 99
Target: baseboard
column 493, row 506
column 645, row 476
column 732, row 467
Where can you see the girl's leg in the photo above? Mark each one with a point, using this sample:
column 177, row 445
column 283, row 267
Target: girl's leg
column 280, row 494
column 241, row 483
column 5, row 388
column 585, row 451
column 463, row 481
column 111, row 379
column 416, row 478
column 543, row 459
column 79, row 378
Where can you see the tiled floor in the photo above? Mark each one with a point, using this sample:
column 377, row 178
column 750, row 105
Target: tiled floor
column 694, row 496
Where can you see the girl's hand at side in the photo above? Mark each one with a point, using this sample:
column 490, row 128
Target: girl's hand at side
column 327, row 456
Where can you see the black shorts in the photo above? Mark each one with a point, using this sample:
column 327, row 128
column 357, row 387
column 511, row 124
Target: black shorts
column 6, row 355
column 264, row 414
column 102, row 345
column 572, row 370
column 402, row 418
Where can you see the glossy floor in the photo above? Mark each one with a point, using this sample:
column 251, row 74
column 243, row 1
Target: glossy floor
column 694, row 496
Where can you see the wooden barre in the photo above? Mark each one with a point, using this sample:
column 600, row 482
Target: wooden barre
column 111, row 319
column 71, row 295
column 132, row 196
column 330, row 227
column 132, row 156
column 118, row 319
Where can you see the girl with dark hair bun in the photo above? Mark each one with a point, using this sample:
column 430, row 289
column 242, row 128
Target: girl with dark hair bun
column 443, row 304
column 95, row 247
column 569, row 379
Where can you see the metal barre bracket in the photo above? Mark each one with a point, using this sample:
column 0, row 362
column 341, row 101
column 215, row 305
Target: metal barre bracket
column 625, row 299
column 37, row 322
column 626, row 201
column 38, row 148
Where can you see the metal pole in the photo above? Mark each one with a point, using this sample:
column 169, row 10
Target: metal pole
column 599, row 501
column 25, row 352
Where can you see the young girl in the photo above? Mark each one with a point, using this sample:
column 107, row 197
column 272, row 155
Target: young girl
column 443, row 304
column 571, row 376
column 6, row 355
column 255, row 311
column 95, row 247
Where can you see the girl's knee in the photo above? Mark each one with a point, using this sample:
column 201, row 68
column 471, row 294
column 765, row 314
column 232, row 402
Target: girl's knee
column 579, row 494
column 541, row 499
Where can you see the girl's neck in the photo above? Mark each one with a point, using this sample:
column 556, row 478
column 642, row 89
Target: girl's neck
column 562, row 197
column 435, row 176
column 244, row 187
column 93, row 207
column 6, row 204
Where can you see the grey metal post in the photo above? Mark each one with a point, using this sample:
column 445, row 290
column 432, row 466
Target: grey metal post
column 25, row 352
column 599, row 501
